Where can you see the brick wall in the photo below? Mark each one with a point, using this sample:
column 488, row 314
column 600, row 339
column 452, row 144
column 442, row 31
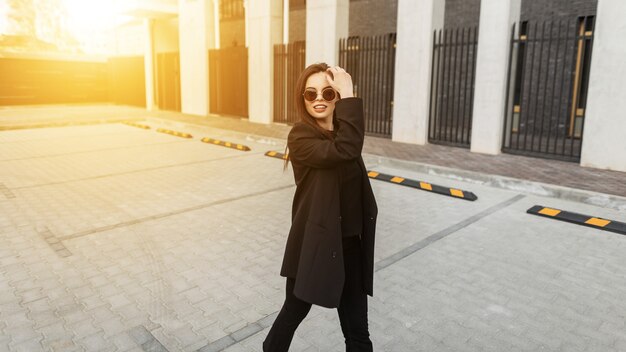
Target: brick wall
column 462, row 13
column 297, row 24
column 546, row 9
column 372, row 17
column 466, row 13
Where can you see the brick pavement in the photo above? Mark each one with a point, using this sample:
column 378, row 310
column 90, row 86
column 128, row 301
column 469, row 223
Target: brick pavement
column 149, row 222
column 555, row 172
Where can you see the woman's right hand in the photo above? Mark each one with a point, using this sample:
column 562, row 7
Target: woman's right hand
column 341, row 81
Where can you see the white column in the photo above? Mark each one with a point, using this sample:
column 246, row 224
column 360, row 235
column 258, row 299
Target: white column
column 265, row 21
column 492, row 59
column 604, row 131
column 196, row 38
column 216, row 23
column 148, row 63
column 286, row 21
column 416, row 22
column 326, row 22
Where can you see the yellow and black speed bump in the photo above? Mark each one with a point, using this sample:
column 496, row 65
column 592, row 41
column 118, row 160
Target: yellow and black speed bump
column 278, row 155
column 225, row 144
column 579, row 219
column 138, row 125
column 424, row 186
column 174, row 133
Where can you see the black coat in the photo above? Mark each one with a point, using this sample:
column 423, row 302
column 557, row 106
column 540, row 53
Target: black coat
column 313, row 253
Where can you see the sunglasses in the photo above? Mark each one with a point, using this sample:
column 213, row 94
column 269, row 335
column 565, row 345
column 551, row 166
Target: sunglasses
column 328, row 94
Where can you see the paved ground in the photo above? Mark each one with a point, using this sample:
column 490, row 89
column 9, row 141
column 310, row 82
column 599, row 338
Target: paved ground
column 551, row 172
column 117, row 238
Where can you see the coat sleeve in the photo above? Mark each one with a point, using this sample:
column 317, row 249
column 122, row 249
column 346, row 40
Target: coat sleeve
column 308, row 147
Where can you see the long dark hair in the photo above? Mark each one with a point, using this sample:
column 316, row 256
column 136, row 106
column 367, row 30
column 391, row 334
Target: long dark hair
column 304, row 116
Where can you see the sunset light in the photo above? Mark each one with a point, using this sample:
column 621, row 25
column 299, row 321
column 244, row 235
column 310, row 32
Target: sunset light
column 93, row 15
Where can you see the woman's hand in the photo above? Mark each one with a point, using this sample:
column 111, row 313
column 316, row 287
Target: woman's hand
column 341, row 81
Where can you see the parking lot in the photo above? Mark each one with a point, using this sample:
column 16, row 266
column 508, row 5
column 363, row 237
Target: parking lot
column 120, row 238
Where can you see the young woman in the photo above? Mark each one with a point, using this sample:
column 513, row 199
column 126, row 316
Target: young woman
column 329, row 255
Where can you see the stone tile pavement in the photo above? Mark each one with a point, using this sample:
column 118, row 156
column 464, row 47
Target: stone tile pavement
column 546, row 171
column 122, row 239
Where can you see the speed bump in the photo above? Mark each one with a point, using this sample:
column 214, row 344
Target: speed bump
column 278, row 155
column 175, row 133
column 424, row 186
column 138, row 125
column 579, row 219
column 225, row 144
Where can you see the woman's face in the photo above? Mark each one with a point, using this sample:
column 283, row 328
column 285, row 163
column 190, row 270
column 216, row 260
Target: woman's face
column 319, row 108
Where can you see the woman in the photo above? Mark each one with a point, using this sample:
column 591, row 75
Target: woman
column 329, row 255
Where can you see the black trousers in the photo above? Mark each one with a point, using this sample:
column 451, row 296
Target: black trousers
column 352, row 308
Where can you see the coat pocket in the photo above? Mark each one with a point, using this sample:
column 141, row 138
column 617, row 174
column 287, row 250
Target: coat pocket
column 320, row 270
column 312, row 237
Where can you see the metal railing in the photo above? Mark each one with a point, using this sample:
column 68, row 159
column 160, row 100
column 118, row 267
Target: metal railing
column 371, row 63
column 547, row 88
column 288, row 64
column 452, row 86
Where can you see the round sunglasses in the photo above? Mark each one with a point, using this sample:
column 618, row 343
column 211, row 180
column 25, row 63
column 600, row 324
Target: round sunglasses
column 328, row 94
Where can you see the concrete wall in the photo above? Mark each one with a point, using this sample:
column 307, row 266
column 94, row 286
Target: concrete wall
column 604, row 142
column 327, row 22
column 416, row 22
column 265, row 29
column 195, row 30
column 491, row 74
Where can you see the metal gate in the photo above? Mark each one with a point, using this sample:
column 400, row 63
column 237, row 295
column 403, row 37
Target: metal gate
column 288, row 64
column 548, row 79
column 228, row 80
column 168, row 81
column 452, row 86
column 371, row 63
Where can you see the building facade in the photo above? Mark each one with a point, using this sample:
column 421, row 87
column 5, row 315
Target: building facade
column 523, row 82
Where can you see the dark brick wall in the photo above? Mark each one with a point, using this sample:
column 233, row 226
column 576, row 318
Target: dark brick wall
column 297, row 24
column 367, row 17
column 546, row 9
column 462, row 13
column 372, row 17
column 466, row 13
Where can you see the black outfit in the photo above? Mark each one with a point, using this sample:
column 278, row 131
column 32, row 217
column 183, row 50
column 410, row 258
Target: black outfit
column 335, row 205
column 352, row 309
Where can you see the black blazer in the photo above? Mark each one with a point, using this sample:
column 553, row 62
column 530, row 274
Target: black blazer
column 313, row 252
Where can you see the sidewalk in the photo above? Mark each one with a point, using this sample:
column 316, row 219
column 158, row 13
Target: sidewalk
column 553, row 172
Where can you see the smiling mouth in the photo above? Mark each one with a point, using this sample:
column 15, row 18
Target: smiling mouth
column 319, row 107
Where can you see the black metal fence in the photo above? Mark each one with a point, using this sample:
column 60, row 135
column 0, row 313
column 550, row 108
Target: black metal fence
column 548, row 81
column 371, row 63
column 452, row 86
column 289, row 62
column 168, row 81
column 228, row 81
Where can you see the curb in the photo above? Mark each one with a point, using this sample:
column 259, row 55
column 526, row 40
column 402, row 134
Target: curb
column 503, row 182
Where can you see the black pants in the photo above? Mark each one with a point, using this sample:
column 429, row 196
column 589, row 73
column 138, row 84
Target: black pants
column 352, row 308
